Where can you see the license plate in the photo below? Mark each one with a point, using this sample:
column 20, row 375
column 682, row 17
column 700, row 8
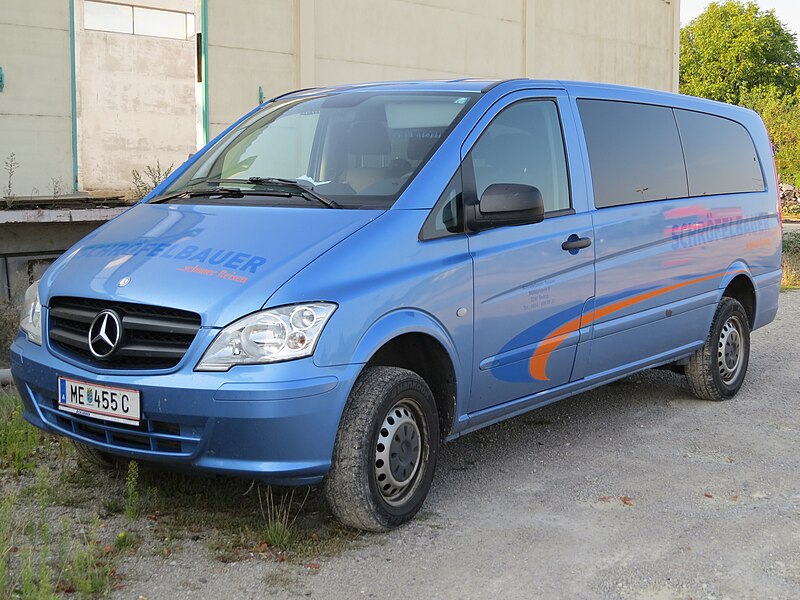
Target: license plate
column 99, row 401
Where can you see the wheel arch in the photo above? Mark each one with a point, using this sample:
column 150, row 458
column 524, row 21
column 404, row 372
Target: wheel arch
column 417, row 342
column 738, row 284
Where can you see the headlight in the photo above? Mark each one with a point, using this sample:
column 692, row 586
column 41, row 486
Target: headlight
column 268, row 336
column 31, row 318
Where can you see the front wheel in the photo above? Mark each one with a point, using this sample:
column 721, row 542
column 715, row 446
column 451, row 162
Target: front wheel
column 716, row 371
column 98, row 458
column 385, row 451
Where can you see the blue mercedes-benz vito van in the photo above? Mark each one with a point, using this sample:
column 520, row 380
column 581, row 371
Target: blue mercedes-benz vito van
column 348, row 276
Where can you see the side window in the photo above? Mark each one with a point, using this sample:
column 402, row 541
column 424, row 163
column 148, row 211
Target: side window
column 720, row 156
column 524, row 144
column 634, row 152
column 447, row 217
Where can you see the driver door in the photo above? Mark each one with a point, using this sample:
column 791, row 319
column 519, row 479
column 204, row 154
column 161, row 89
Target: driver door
column 529, row 290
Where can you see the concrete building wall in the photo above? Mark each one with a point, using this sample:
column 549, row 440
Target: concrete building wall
column 630, row 42
column 305, row 43
column 36, row 104
column 136, row 102
column 251, row 43
column 365, row 40
column 136, row 96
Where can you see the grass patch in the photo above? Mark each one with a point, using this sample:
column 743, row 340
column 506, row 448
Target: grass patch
column 37, row 558
column 9, row 324
column 19, row 441
column 278, row 529
column 791, row 261
column 241, row 520
column 47, row 551
column 132, row 496
column 39, row 561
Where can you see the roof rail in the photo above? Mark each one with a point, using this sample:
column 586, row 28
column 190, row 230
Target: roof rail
column 494, row 84
column 308, row 89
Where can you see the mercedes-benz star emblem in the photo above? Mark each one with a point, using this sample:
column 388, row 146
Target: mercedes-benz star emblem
column 105, row 334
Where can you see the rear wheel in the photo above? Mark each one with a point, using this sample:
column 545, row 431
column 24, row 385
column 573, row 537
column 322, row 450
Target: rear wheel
column 716, row 371
column 98, row 458
column 385, row 451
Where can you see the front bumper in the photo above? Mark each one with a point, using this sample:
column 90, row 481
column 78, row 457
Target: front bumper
column 275, row 423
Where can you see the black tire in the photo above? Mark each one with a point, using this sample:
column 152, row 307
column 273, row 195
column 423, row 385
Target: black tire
column 368, row 487
column 98, row 458
column 717, row 370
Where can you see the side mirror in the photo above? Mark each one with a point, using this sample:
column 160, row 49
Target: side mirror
column 505, row 204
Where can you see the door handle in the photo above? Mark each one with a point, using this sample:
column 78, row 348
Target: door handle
column 575, row 243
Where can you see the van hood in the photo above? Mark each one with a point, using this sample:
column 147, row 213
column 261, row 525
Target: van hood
column 221, row 262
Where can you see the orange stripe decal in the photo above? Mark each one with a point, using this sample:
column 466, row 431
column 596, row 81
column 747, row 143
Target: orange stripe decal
column 538, row 363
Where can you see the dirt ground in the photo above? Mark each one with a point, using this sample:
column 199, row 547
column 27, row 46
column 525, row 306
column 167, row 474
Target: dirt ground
column 635, row 490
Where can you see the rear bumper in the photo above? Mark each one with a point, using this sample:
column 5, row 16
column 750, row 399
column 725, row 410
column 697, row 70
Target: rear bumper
column 276, row 423
column 768, row 290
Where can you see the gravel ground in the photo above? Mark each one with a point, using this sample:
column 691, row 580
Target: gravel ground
column 634, row 490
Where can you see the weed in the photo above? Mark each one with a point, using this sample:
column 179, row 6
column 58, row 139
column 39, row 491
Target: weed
column 57, row 187
column 28, row 586
column 124, row 540
column 112, row 506
column 11, row 165
column 278, row 520
column 19, row 441
column 234, row 518
column 791, row 242
column 6, row 543
column 791, row 261
column 791, row 272
column 152, row 177
column 169, row 547
column 132, row 488
column 43, row 488
column 9, row 325
column 86, row 570
column 790, row 208
column 285, row 580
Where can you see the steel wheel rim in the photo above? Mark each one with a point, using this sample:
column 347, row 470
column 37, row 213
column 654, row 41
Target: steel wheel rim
column 399, row 451
column 730, row 350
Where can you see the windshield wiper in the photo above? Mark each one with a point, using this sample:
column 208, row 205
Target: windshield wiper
column 297, row 187
column 225, row 192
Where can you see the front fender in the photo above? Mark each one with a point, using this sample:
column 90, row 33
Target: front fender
column 407, row 320
column 397, row 323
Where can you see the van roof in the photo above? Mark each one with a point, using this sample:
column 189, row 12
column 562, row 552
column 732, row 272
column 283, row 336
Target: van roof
column 503, row 86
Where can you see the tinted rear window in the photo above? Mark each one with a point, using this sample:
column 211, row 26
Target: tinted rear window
column 720, row 156
column 634, row 152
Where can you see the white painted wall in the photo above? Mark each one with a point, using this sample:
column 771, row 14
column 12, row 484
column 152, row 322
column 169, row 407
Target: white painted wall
column 35, row 106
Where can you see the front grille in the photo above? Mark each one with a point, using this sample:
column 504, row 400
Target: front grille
column 150, row 435
column 152, row 337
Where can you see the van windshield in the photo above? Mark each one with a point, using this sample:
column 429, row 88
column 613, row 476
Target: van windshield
column 346, row 150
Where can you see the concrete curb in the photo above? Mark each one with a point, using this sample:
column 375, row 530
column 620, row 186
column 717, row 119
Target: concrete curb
column 5, row 377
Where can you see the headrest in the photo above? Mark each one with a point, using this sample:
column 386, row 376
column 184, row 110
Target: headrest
column 418, row 147
column 368, row 138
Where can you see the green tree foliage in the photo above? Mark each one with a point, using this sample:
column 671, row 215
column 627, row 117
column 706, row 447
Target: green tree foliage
column 733, row 52
column 732, row 48
column 781, row 114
